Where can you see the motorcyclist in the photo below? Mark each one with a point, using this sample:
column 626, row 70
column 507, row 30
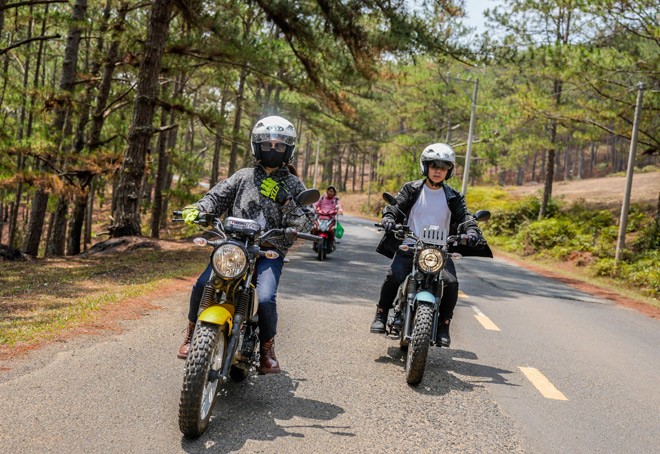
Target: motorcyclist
column 429, row 201
column 329, row 202
column 329, row 205
column 259, row 192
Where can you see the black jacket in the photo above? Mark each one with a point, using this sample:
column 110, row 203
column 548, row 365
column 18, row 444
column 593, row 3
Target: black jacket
column 406, row 199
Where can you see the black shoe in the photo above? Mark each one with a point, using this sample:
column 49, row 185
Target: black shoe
column 443, row 339
column 378, row 325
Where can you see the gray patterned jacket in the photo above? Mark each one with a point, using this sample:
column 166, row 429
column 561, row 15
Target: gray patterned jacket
column 239, row 196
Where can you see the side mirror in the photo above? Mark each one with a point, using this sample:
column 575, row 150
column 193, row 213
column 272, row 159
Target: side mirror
column 482, row 215
column 308, row 196
column 389, row 198
column 391, row 201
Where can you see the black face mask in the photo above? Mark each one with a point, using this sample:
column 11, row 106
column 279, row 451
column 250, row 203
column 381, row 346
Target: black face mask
column 272, row 159
column 435, row 185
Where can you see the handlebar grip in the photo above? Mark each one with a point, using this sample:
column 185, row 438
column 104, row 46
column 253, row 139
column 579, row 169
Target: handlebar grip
column 310, row 237
column 177, row 213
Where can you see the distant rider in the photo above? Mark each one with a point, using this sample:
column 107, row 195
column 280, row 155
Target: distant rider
column 429, row 201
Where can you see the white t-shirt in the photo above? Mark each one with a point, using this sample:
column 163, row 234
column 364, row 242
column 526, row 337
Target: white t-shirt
column 431, row 208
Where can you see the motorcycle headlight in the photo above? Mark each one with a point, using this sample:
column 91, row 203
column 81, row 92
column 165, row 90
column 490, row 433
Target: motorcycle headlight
column 229, row 261
column 430, row 260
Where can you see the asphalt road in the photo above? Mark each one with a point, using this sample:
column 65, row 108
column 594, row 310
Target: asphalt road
column 343, row 389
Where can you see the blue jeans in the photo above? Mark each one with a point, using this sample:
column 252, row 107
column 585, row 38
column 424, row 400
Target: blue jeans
column 268, row 272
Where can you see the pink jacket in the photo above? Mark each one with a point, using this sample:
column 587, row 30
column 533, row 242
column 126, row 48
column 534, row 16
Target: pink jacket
column 327, row 205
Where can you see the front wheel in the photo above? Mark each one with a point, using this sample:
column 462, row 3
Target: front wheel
column 321, row 251
column 198, row 395
column 418, row 348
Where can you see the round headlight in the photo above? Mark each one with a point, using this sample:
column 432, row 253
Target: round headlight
column 430, row 260
column 229, row 261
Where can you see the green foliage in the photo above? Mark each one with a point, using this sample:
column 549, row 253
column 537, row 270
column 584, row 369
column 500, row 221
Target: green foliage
column 575, row 231
column 508, row 221
column 549, row 233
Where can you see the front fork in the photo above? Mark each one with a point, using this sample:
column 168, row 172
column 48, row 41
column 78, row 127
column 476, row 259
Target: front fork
column 242, row 305
column 410, row 306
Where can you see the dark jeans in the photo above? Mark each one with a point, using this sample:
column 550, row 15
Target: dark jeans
column 400, row 268
column 268, row 272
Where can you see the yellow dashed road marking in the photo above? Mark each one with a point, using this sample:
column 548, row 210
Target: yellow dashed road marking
column 541, row 383
column 463, row 295
column 484, row 320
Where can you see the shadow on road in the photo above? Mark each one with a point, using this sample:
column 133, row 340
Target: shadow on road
column 442, row 368
column 254, row 410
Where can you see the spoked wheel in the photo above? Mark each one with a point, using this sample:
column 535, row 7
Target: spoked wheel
column 198, row 395
column 418, row 348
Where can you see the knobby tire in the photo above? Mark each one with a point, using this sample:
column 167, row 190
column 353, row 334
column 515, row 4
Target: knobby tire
column 418, row 348
column 203, row 351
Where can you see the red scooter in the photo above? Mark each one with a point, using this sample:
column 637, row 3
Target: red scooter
column 324, row 226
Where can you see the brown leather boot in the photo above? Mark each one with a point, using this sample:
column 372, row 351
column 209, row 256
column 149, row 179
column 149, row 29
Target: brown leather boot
column 268, row 361
column 185, row 347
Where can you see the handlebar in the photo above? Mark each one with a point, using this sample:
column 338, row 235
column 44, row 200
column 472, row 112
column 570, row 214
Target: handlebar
column 289, row 233
column 462, row 239
column 310, row 237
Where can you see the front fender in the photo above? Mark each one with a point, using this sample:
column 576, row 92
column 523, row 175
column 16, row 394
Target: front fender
column 218, row 315
column 426, row 297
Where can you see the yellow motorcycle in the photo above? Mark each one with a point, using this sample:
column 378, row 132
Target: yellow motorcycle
column 225, row 343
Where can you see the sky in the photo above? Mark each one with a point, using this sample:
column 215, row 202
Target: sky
column 474, row 10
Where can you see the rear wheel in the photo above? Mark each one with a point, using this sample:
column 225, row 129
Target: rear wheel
column 198, row 395
column 418, row 348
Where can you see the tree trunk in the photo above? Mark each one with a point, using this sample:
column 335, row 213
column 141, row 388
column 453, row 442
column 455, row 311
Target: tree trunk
column 76, row 224
column 547, row 187
column 362, row 171
column 62, row 113
column 235, row 134
column 580, row 161
column 127, row 210
column 308, row 154
column 550, row 161
column 89, row 211
column 36, row 225
column 161, row 176
column 217, row 150
column 55, row 247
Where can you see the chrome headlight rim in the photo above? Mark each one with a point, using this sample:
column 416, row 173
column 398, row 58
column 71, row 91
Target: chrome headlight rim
column 430, row 260
column 229, row 260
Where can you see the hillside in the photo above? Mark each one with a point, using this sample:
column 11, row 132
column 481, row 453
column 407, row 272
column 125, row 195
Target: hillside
column 607, row 191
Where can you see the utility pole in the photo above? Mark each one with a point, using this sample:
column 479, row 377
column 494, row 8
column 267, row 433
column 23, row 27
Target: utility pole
column 623, row 223
column 466, row 169
column 316, row 164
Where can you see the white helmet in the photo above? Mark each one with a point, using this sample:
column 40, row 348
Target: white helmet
column 437, row 152
column 273, row 128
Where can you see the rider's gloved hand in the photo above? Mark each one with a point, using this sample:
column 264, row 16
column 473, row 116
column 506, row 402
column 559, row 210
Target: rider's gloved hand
column 473, row 240
column 190, row 214
column 388, row 224
column 275, row 191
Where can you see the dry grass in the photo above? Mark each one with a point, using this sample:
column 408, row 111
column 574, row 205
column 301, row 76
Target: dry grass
column 606, row 192
column 40, row 298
